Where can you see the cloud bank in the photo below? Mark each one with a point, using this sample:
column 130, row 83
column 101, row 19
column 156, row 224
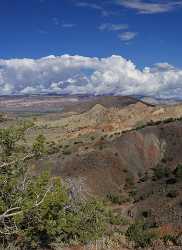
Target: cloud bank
column 85, row 75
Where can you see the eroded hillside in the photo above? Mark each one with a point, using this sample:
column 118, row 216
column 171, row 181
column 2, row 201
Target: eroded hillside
column 128, row 154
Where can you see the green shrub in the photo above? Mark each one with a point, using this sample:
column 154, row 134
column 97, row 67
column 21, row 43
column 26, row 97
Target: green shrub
column 167, row 238
column 78, row 142
column 141, row 236
column 11, row 135
column 140, row 125
column 116, row 199
column 129, row 182
column 161, row 172
column 172, row 194
column 66, row 152
column 178, row 172
column 88, row 222
column 53, row 148
column 133, row 193
column 39, row 146
column 146, row 213
column 117, row 219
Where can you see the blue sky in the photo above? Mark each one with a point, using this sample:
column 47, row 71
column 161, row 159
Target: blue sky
column 36, row 28
column 120, row 47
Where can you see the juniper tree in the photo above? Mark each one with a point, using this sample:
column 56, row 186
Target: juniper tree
column 37, row 210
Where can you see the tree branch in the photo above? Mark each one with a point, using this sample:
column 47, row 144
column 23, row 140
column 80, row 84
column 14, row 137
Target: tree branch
column 44, row 196
column 8, row 213
column 7, row 164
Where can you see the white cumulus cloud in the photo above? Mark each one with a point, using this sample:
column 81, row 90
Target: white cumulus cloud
column 86, row 75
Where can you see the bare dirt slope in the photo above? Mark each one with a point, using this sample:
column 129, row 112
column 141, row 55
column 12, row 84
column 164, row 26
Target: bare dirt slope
column 105, row 164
